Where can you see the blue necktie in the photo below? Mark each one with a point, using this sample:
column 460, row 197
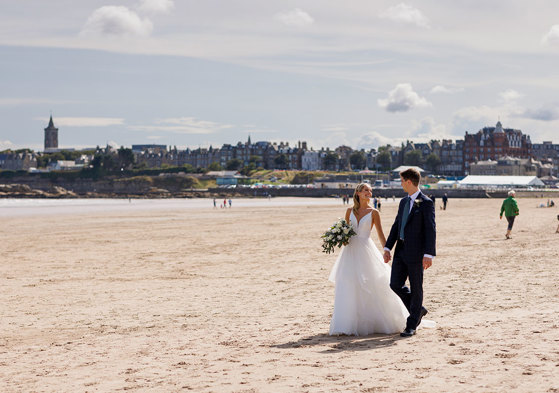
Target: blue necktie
column 405, row 215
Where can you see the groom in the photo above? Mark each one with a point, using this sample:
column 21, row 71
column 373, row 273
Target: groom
column 414, row 234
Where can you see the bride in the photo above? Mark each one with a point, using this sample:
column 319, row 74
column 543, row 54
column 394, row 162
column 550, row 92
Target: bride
column 364, row 303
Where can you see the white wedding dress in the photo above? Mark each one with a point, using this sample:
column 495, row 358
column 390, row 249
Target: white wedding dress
column 364, row 303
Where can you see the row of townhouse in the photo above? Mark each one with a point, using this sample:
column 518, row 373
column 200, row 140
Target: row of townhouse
column 13, row 161
column 265, row 154
column 450, row 153
column 511, row 166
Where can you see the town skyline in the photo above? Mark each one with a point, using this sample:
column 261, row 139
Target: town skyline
column 52, row 120
column 490, row 147
column 198, row 74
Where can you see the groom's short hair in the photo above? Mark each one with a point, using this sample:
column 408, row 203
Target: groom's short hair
column 411, row 174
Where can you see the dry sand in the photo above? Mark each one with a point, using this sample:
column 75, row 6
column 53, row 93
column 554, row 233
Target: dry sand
column 238, row 300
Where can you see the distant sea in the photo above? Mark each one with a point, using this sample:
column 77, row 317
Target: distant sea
column 29, row 207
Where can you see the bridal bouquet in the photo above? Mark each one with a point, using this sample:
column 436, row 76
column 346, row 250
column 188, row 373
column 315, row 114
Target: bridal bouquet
column 337, row 235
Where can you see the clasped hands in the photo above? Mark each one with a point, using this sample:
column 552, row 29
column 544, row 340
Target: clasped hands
column 427, row 262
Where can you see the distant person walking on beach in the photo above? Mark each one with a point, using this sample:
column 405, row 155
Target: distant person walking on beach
column 215, row 204
column 230, row 202
column 510, row 208
column 445, row 200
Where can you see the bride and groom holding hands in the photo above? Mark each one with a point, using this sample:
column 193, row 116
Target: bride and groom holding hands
column 371, row 297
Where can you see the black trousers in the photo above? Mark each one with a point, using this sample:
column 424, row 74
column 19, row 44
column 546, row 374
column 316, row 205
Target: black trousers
column 413, row 296
column 510, row 220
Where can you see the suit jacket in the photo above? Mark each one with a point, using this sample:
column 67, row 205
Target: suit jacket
column 419, row 232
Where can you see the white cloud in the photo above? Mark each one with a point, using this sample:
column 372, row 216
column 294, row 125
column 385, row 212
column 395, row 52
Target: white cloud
column 116, row 21
column 427, row 129
column 156, row 6
column 6, row 145
column 296, row 17
column 332, row 140
column 552, row 36
column 85, row 121
column 473, row 118
column 406, row 14
column 510, row 95
column 441, row 89
column 374, row 139
column 183, row 125
column 154, row 137
column 402, row 99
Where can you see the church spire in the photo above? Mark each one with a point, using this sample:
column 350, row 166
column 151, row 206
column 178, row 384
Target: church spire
column 249, row 140
column 51, row 136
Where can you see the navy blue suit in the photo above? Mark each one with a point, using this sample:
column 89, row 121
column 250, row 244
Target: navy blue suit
column 419, row 239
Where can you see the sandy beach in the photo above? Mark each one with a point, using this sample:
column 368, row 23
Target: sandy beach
column 237, row 300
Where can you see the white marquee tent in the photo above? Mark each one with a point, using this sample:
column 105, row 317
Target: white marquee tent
column 501, row 181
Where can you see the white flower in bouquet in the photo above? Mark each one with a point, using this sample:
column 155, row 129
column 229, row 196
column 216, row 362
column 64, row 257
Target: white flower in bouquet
column 337, row 235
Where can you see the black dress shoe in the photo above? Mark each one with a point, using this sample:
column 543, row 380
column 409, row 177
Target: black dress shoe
column 407, row 332
column 422, row 314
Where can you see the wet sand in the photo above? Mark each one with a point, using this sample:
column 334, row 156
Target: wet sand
column 238, row 300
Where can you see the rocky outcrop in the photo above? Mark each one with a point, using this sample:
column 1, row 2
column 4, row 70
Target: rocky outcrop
column 167, row 186
column 25, row 191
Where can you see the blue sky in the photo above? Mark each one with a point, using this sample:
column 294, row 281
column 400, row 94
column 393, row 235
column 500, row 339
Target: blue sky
column 200, row 73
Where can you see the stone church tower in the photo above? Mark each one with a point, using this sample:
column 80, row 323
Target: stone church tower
column 51, row 136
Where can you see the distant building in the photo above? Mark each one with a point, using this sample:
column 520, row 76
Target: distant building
column 343, row 153
column 547, row 152
column 396, row 155
column 150, row 148
column 64, row 165
column 424, row 148
column 493, row 142
column 18, row 161
column 483, row 168
column 310, row 160
column 51, row 137
column 509, row 166
column 371, row 157
column 452, row 158
column 225, row 177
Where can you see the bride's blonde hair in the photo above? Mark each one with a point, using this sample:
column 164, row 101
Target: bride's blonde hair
column 356, row 202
